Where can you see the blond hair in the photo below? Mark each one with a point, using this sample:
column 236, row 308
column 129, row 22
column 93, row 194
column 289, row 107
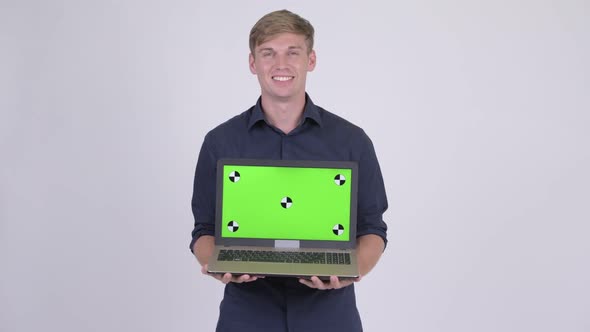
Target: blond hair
column 280, row 21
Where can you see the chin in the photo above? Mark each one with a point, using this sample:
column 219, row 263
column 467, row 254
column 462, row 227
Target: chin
column 279, row 95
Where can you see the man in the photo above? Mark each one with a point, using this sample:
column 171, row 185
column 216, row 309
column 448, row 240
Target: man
column 285, row 124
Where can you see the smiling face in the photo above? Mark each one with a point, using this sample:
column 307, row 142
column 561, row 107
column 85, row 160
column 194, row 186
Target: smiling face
column 281, row 64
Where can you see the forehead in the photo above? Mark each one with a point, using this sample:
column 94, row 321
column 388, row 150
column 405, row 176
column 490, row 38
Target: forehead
column 284, row 40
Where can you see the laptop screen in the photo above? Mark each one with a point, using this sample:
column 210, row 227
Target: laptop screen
column 286, row 202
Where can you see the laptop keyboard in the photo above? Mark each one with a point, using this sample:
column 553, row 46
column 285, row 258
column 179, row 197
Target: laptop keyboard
column 284, row 257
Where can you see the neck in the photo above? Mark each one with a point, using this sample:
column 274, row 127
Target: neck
column 284, row 115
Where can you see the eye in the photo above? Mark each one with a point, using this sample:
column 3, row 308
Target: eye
column 267, row 54
column 293, row 52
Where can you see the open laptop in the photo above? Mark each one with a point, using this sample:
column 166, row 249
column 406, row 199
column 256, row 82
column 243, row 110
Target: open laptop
column 286, row 218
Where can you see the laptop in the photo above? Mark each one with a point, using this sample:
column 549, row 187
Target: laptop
column 286, row 218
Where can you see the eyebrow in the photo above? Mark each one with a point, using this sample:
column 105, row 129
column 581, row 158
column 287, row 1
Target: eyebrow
column 265, row 49
column 273, row 50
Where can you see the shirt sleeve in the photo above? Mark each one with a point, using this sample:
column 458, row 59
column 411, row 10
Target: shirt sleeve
column 203, row 200
column 372, row 199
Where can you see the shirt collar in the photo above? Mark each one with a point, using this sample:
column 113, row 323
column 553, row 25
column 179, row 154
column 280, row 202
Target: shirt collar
column 311, row 111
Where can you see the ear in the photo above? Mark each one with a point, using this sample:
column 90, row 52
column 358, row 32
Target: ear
column 312, row 61
column 252, row 64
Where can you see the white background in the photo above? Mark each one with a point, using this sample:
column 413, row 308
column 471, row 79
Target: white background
column 479, row 112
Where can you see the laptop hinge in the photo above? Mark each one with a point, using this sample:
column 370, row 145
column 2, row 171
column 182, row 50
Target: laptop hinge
column 286, row 244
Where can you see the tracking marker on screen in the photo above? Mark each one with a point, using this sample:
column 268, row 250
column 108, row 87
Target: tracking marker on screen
column 286, row 202
column 234, row 176
column 233, row 226
column 338, row 229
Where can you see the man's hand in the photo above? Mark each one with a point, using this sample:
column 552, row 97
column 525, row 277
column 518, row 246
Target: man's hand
column 227, row 278
column 333, row 283
column 369, row 249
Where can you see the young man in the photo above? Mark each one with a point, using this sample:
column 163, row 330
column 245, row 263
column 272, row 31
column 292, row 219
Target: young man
column 286, row 124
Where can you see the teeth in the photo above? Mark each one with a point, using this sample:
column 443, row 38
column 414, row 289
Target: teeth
column 282, row 78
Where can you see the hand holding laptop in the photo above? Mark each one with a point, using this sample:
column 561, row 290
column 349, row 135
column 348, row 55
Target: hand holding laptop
column 314, row 282
column 333, row 283
column 228, row 277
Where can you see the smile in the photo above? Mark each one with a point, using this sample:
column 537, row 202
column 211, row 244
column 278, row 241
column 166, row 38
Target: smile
column 283, row 78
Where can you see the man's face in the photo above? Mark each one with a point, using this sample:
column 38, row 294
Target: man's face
column 281, row 65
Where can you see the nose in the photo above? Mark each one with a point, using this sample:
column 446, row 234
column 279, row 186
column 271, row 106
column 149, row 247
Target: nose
column 281, row 61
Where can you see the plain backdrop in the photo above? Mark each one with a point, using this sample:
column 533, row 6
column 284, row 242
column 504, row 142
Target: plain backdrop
column 478, row 110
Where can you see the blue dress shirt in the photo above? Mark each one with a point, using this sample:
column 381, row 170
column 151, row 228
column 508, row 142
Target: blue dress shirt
column 284, row 304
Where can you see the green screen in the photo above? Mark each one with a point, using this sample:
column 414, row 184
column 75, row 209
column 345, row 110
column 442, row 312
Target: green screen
column 292, row 203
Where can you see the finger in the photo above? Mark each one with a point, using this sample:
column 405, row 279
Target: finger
column 346, row 282
column 335, row 282
column 317, row 283
column 311, row 284
column 254, row 278
column 307, row 283
column 244, row 278
column 226, row 278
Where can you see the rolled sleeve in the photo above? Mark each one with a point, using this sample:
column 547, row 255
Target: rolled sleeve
column 372, row 199
column 203, row 200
